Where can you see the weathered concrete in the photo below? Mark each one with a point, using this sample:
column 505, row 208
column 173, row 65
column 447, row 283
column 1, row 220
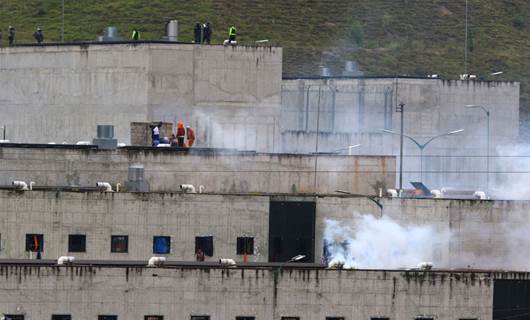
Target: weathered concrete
column 483, row 234
column 176, row 293
column 353, row 111
column 60, row 93
column 219, row 171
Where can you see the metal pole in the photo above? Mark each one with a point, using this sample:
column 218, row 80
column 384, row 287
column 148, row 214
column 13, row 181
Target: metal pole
column 62, row 24
column 421, row 164
column 4, row 129
column 465, row 46
column 316, row 140
column 402, row 110
column 488, row 154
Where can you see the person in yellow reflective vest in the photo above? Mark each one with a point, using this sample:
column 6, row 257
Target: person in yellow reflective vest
column 135, row 35
column 232, row 34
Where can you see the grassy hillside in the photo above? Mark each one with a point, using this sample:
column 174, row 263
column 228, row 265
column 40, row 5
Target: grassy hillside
column 414, row 37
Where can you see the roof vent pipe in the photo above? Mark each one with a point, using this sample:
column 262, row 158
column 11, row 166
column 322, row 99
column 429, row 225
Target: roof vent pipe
column 20, row 185
column 105, row 185
column 156, row 261
column 227, row 262
column 65, row 260
column 188, row 188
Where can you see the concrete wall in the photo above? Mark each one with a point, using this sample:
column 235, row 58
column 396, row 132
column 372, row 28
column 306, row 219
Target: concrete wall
column 140, row 216
column 219, row 171
column 483, row 234
column 176, row 293
column 60, row 93
column 352, row 111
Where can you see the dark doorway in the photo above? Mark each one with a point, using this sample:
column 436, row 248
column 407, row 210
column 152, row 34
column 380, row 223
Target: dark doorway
column 511, row 299
column 291, row 230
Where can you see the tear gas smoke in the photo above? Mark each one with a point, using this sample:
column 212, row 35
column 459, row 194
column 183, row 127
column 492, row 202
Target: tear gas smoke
column 382, row 243
column 493, row 240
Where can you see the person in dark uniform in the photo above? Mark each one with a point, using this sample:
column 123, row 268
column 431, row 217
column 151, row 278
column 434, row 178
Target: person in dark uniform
column 197, row 32
column 207, row 33
column 38, row 35
column 11, row 36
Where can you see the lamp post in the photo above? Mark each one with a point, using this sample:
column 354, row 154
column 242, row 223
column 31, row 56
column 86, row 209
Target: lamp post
column 348, row 148
column 62, row 22
column 487, row 141
column 422, row 146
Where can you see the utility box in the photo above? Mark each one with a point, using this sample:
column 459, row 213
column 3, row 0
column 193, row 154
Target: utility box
column 136, row 181
column 105, row 137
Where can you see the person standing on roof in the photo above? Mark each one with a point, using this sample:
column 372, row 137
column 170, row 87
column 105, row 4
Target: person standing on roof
column 156, row 134
column 135, row 36
column 190, row 134
column 181, row 134
column 11, row 36
column 197, row 32
column 207, row 33
column 38, row 35
column 232, row 34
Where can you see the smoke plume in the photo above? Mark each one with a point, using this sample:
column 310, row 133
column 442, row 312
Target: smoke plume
column 381, row 243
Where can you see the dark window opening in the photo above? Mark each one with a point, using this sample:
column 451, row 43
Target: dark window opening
column 154, row 318
column 379, row 318
column 336, row 318
column 61, row 317
column 205, row 245
column 107, row 317
column 14, row 316
column 290, row 318
column 34, row 242
column 291, row 230
column 245, row 318
column 119, row 244
column 161, row 244
column 200, row 317
column 77, row 243
column 424, row 318
column 245, row 245
column 511, row 299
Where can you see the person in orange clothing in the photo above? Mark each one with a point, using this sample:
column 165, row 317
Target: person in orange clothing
column 181, row 134
column 191, row 136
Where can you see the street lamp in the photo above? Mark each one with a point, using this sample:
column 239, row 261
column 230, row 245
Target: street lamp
column 422, row 146
column 62, row 22
column 487, row 141
column 348, row 148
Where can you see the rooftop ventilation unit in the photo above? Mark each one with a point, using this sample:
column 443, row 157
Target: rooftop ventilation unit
column 325, row 72
column 172, row 28
column 105, row 138
column 136, row 181
column 351, row 69
column 110, row 34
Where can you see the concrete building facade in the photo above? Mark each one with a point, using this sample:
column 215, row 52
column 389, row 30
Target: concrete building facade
column 61, row 92
column 221, row 171
column 87, row 290
column 479, row 234
column 353, row 111
column 235, row 97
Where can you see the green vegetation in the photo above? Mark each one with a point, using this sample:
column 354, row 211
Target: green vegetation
column 385, row 37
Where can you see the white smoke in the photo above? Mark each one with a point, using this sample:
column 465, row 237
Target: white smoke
column 511, row 172
column 381, row 243
column 492, row 241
